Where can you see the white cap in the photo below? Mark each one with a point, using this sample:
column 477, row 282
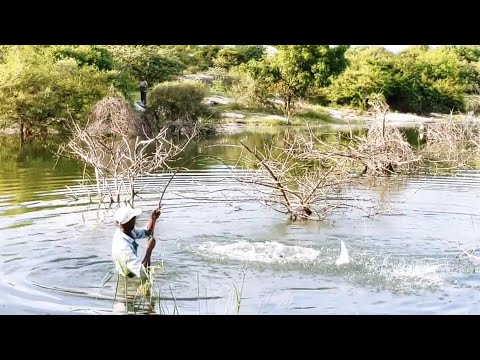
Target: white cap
column 125, row 213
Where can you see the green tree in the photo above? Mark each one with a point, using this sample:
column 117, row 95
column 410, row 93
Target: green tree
column 370, row 70
column 470, row 53
column 469, row 57
column 91, row 55
column 205, row 56
column 147, row 61
column 430, row 80
column 229, row 57
column 419, row 79
column 253, row 52
column 296, row 69
column 182, row 53
column 38, row 92
column 3, row 51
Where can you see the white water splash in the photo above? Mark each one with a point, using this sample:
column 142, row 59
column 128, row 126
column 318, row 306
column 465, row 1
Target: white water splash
column 266, row 252
column 343, row 258
column 401, row 274
column 422, row 274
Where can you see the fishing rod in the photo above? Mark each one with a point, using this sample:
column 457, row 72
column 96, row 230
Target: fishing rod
column 182, row 167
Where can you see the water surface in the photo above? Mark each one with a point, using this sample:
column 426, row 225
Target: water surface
column 213, row 236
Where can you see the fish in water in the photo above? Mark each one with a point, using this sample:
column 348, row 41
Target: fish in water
column 343, row 259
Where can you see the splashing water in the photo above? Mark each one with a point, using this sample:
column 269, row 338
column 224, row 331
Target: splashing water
column 422, row 274
column 266, row 252
column 383, row 272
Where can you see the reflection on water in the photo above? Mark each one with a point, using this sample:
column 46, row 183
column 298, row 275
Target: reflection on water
column 26, row 172
column 56, row 253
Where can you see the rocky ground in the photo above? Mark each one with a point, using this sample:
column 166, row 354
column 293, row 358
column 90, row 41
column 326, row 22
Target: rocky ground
column 237, row 119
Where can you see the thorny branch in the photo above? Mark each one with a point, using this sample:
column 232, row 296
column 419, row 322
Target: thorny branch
column 106, row 144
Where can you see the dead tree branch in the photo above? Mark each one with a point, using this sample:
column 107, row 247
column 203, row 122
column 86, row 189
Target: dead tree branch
column 118, row 158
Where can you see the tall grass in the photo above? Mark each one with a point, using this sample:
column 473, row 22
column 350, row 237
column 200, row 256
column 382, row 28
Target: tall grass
column 148, row 291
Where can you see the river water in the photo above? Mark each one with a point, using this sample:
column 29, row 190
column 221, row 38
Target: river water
column 213, row 238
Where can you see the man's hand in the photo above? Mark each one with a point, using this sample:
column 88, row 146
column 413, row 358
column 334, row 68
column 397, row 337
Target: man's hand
column 156, row 214
column 153, row 219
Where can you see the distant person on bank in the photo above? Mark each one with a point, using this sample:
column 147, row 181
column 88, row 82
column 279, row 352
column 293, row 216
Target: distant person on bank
column 143, row 91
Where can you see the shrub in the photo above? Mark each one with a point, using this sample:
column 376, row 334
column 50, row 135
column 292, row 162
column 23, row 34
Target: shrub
column 177, row 104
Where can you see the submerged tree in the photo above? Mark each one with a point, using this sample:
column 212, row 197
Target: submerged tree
column 307, row 176
column 111, row 143
column 292, row 187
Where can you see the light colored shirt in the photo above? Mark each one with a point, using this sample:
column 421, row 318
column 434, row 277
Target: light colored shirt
column 124, row 252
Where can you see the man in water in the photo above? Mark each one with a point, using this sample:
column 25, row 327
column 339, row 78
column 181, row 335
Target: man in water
column 124, row 245
column 143, row 91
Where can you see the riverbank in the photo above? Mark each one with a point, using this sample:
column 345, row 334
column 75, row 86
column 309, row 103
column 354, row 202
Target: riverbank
column 235, row 114
column 236, row 117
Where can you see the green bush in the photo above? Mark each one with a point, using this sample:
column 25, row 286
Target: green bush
column 251, row 91
column 3, row 51
column 177, row 102
column 473, row 103
column 429, row 80
column 223, row 80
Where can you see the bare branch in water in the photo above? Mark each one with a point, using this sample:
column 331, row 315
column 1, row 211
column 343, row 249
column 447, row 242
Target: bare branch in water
column 106, row 144
column 306, row 176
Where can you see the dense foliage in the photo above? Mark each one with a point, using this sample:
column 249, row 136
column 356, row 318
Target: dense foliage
column 418, row 80
column 177, row 105
column 39, row 91
column 44, row 87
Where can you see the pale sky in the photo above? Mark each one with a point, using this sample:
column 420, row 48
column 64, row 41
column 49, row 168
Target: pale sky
column 394, row 48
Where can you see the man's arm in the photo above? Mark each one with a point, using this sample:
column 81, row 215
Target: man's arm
column 148, row 252
column 151, row 225
column 151, row 241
